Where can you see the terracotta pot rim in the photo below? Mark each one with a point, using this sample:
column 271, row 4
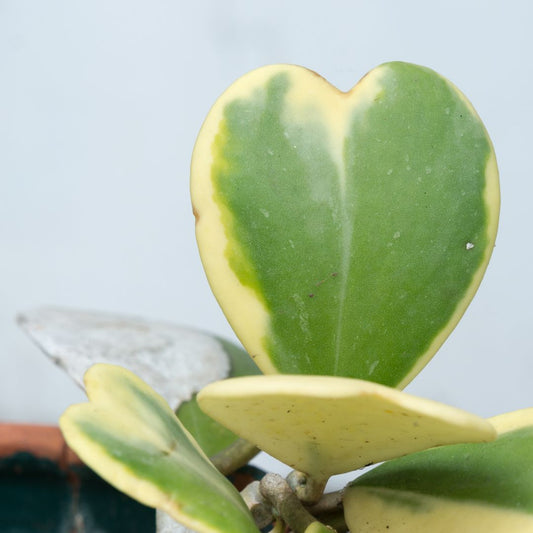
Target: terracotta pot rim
column 43, row 441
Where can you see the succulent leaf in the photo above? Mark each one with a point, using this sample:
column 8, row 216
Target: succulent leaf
column 344, row 233
column 453, row 489
column 129, row 435
column 325, row 425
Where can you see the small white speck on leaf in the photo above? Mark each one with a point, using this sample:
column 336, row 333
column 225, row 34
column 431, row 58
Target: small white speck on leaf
column 396, row 235
column 389, row 172
column 469, row 245
column 270, row 151
column 265, row 213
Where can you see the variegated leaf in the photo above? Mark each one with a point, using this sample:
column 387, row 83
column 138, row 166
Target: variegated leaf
column 328, row 425
column 344, row 233
column 129, row 435
column 484, row 487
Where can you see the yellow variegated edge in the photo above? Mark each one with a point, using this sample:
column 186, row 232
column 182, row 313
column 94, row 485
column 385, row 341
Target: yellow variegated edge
column 513, row 420
column 247, row 314
column 373, row 509
column 325, row 425
column 379, row 510
column 492, row 200
column 130, row 436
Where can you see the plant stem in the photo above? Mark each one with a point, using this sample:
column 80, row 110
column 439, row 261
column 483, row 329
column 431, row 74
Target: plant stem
column 260, row 508
column 278, row 492
column 329, row 510
column 234, row 456
column 308, row 489
column 328, row 503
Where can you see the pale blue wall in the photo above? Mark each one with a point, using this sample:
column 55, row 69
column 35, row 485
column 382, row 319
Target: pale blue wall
column 100, row 104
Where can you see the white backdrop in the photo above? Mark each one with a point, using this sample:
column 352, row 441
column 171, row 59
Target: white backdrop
column 100, row 104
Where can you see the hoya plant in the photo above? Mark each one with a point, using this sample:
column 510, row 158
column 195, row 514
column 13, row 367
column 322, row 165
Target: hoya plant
column 343, row 234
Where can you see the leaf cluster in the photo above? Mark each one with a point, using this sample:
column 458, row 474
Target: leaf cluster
column 344, row 235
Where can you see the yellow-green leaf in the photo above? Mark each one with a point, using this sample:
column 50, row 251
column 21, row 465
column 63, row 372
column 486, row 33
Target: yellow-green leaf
column 317, row 527
column 344, row 233
column 485, row 487
column 129, row 435
column 324, row 425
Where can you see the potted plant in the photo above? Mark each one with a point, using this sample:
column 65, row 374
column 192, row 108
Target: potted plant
column 344, row 235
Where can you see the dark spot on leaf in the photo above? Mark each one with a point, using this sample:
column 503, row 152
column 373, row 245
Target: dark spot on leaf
column 170, row 449
column 196, row 215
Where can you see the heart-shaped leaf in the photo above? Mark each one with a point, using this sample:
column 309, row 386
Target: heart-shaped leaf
column 344, row 233
column 129, row 435
column 324, row 425
column 454, row 489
